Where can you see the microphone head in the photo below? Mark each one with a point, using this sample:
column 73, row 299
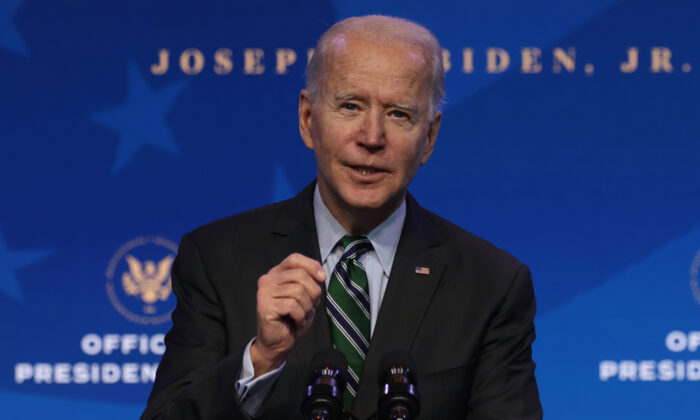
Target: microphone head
column 397, row 362
column 323, row 398
column 398, row 392
column 330, row 363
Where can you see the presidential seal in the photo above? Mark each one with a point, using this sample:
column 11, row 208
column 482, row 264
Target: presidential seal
column 138, row 280
column 694, row 269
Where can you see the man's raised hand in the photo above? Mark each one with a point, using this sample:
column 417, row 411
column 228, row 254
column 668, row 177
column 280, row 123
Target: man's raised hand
column 287, row 297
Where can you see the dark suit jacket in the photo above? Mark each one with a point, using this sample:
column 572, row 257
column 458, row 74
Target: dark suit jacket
column 468, row 324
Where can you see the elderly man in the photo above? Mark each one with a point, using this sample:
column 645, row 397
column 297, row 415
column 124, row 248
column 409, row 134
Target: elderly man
column 352, row 262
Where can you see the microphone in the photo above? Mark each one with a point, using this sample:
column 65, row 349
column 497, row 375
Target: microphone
column 398, row 391
column 324, row 395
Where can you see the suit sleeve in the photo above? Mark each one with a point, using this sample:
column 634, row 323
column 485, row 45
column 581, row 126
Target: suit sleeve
column 504, row 385
column 197, row 374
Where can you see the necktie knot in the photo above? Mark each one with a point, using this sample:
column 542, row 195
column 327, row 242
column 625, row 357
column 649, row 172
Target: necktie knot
column 354, row 246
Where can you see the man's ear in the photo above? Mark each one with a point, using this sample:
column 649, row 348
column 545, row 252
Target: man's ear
column 432, row 136
column 305, row 120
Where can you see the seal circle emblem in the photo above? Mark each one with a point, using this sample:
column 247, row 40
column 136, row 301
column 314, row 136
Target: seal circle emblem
column 138, row 280
column 694, row 270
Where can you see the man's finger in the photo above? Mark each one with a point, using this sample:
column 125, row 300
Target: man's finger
column 290, row 307
column 301, row 277
column 297, row 292
column 309, row 265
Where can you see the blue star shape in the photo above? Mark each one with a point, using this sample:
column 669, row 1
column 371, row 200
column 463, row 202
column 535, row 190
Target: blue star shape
column 10, row 261
column 9, row 37
column 142, row 120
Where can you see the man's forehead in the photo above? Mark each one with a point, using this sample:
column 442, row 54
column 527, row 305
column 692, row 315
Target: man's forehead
column 344, row 44
column 391, row 74
column 354, row 85
column 355, row 54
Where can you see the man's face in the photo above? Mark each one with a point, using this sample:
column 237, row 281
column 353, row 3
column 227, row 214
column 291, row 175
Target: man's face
column 370, row 128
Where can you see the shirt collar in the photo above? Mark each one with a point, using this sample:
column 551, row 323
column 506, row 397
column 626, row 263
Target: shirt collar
column 384, row 238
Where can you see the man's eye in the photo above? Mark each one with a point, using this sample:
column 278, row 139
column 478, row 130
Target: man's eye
column 349, row 106
column 398, row 114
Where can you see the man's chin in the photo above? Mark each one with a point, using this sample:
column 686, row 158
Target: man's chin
column 364, row 199
column 367, row 203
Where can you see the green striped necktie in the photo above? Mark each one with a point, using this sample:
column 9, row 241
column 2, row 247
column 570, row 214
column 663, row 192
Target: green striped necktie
column 348, row 310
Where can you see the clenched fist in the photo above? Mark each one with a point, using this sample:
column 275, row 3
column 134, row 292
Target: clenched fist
column 287, row 297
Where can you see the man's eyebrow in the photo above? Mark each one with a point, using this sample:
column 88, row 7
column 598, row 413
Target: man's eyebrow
column 406, row 106
column 348, row 96
column 342, row 96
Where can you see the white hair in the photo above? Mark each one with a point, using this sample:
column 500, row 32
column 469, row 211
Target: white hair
column 385, row 29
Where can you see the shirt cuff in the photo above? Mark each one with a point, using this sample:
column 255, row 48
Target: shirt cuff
column 252, row 392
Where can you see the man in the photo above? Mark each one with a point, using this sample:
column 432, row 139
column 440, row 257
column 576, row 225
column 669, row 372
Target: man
column 353, row 261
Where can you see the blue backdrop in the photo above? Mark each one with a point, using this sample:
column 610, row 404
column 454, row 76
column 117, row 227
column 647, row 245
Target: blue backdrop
column 571, row 137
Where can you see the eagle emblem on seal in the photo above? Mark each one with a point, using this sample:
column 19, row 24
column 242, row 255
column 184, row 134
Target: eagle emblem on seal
column 148, row 280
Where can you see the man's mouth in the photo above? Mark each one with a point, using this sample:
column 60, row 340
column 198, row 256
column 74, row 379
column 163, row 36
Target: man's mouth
column 365, row 170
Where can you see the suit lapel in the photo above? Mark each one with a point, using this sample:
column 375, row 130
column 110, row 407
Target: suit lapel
column 405, row 301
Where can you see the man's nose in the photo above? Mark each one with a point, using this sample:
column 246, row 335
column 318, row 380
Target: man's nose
column 372, row 135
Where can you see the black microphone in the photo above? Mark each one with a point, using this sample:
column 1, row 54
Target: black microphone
column 398, row 391
column 324, row 395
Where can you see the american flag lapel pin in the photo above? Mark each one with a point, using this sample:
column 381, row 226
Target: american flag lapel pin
column 423, row 270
